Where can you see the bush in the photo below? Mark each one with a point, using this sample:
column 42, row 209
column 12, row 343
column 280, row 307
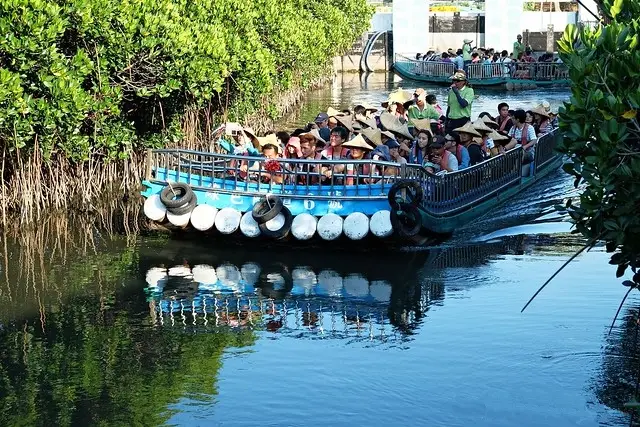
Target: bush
column 87, row 77
column 602, row 133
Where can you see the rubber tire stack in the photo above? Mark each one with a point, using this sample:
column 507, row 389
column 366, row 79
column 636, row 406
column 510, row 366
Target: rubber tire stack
column 179, row 198
column 267, row 209
column 405, row 215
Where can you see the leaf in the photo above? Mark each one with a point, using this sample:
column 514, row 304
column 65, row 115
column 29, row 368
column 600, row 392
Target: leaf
column 616, row 8
column 630, row 114
column 629, row 283
column 620, row 270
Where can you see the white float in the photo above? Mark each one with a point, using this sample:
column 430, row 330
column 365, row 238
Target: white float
column 250, row 273
column 380, row 290
column 205, row 274
column 203, row 217
column 305, row 278
column 356, row 285
column 330, row 226
column 248, row 226
column 154, row 209
column 356, row 226
column 330, row 282
column 380, row 224
column 304, row 226
column 229, row 276
column 156, row 277
column 275, row 223
column 228, row 220
column 180, row 271
column 179, row 220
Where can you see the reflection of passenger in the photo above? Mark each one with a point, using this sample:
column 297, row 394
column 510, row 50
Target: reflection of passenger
column 310, row 319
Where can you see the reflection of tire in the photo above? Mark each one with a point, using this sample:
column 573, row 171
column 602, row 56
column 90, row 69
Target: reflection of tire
column 406, row 220
column 184, row 209
column 267, row 285
column 182, row 193
column 414, row 192
column 266, row 208
column 283, row 231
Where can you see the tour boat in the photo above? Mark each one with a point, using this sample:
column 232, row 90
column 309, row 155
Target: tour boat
column 214, row 194
column 510, row 76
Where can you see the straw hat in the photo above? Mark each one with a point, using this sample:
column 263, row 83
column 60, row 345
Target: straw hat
column 487, row 121
column 374, row 135
column 367, row 107
column 252, row 136
column 358, row 142
column 366, row 121
column 345, row 121
column 421, row 124
column 480, row 126
column 387, row 134
column 332, row 112
column 316, row 134
column 495, row 136
column 392, row 124
column 269, row 139
column 467, row 128
column 459, row 76
column 541, row 111
column 546, row 105
column 398, row 96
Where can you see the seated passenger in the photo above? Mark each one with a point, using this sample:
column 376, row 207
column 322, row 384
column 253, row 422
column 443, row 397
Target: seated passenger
column 484, row 132
column 358, row 173
column 498, row 141
column 307, row 173
column 474, row 146
column 524, row 135
column 454, row 146
column 442, row 157
column 420, row 151
column 542, row 121
column 335, row 151
column 504, row 119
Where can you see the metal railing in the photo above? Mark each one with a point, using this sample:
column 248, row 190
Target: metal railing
column 539, row 71
column 488, row 70
column 255, row 176
column 545, row 150
column 426, row 68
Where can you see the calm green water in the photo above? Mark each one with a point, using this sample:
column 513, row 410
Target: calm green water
column 105, row 330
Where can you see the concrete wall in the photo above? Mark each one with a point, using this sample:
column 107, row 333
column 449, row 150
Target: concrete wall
column 443, row 41
column 381, row 21
column 538, row 21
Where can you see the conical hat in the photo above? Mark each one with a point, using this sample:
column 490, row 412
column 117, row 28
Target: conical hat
column 332, row 112
column 357, row 142
column 269, row 139
column 467, row 128
column 367, row 121
column 374, row 135
column 481, row 127
column 367, row 107
column 421, row 124
column 345, row 121
column 252, row 136
column 387, row 134
column 487, row 121
column 398, row 96
column 495, row 136
column 316, row 134
column 392, row 124
column 541, row 111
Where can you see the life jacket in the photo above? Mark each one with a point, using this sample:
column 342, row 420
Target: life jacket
column 504, row 123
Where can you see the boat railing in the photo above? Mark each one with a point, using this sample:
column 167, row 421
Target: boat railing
column 546, row 149
column 539, row 71
column 256, row 176
column 488, row 70
column 426, row 68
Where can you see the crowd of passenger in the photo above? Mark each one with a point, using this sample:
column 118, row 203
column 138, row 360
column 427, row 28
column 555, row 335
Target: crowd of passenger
column 408, row 128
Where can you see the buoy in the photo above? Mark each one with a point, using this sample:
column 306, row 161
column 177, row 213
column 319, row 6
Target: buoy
column 156, row 277
column 330, row 226
column 228, row 220
column 380, row 290
column 179, row 220
column 517, row 86
column 330, row 282
column 180, row 271
column 248, row 226
column 205, row 274
column 380, row 224
column 203, row 217
column 229, row 276
column 356, row 285
column 154, row 209
column 275, row 223
column 250, row 272
column 304, row 226
column 356, row 225
column 305, row 278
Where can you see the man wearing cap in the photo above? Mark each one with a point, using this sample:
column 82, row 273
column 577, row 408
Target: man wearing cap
column 421, row 110
column 518, row 47
column 459, row 102
column 322, row 121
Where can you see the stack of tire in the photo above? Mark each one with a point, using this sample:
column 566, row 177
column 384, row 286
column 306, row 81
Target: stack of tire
column 273, row 218
column 180, row 200
column 405, row 215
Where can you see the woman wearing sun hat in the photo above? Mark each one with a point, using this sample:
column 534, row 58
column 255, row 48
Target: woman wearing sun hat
column 359, row 149
column 473, row 146
column 542, row 121
column 459, row 102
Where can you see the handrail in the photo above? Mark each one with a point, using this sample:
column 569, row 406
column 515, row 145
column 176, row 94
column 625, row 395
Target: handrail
column 427, row 68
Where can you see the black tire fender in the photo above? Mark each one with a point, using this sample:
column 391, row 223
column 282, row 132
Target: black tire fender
column 267, row 288
column 186, row 208
column 266, row 208
column 406, row 220
column 283, row 231
column 415, row 193
column 182, row 193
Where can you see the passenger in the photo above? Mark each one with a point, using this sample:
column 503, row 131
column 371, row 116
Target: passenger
column 473, row 146
column 335, row 151
column 542, row 121
column 524, row 135
column 283, row 138
column 507, row 64
column 484, row 132
column 366, row 122
column 421, row 109
column 306, row 172
column 395, row 103
column 399, row 130
column 459, row 60
column 386, row 136
column 489, row 121
column 459, row 102
column 433, row 101
column 347, row 123
column 499, row 140
column 292, row 149
column 529, row 117
column 453, row 144
column 270, row 151
column 442, row 157
column 322, row 121
column 504, row 120
column 420, row 151
column 381, row 153
column 358, row 173
column 445, row 57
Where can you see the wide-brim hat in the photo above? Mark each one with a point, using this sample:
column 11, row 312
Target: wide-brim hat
column 269, row 139
column 358, row 142
column 252, row 136
column 466, row 41
column 392, row 124
column 421, row 124
column 373, row 134
column 367, row 107
column 346, row 122
column 332, row 112
column 540, row 111
column 480, row 126
column 387, row 134
column 316, row 134
column 492, row 124
column 459, row 76
column 467, row 128
column 398, row 96
column 366, row 121
column 495, row 136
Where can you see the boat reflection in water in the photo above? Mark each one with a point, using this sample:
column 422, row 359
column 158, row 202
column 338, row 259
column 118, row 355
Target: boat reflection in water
column 328, row 295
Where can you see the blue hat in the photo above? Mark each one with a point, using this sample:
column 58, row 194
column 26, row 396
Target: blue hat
column 392, row 143
column 321, row 117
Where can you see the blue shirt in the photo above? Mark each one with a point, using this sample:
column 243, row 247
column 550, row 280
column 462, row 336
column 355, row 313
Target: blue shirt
column 465, row 159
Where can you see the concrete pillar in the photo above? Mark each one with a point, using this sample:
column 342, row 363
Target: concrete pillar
column 551, row 40
column 503, row 22
column 410, row 27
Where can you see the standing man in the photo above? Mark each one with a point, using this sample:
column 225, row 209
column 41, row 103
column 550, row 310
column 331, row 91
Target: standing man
column 459, row 102
column 322, row 121
column 518, row 47
column 466, row 52
column 421, row 110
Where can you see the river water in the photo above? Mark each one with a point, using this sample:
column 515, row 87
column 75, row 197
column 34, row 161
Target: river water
column 101, row 329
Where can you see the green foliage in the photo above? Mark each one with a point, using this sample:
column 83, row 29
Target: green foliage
column 602, row 132
column 86, row 77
